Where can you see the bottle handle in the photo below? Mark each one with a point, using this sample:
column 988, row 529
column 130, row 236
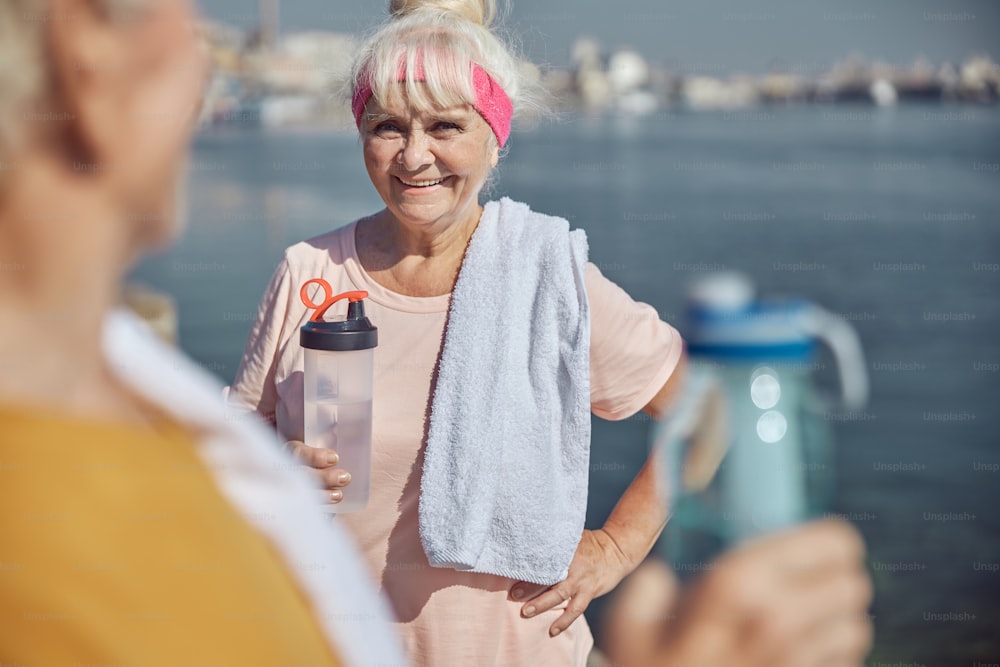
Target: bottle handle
column 692, row 438
column 321, row 308
column 844, row 342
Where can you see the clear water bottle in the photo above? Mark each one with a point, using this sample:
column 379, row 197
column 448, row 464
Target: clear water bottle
column 339, row 356
column 778, row 470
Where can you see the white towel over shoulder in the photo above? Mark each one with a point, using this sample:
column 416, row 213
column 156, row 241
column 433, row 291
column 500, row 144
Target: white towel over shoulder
column 504, row 487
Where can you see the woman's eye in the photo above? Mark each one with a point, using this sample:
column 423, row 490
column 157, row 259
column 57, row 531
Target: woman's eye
column 387, row 128
column 446, row 126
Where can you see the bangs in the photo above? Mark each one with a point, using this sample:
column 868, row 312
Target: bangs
column 428, row 70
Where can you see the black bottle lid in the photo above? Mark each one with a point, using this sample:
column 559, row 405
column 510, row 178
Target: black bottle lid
column 356, row 332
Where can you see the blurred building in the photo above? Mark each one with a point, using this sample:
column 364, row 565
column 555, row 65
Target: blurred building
column 266, row 78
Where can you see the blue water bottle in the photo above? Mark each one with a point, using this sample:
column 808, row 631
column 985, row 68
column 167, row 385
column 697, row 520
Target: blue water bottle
column 778, row 470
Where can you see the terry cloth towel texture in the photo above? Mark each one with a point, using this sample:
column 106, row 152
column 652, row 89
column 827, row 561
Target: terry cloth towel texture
column 504, row 487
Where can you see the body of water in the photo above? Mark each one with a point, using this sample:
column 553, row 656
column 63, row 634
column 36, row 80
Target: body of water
column 890, row 218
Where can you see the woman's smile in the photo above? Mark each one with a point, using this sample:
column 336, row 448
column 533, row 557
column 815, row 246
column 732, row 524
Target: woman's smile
column 422, row 185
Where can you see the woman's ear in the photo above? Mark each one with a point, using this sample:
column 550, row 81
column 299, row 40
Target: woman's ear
column 88, row 56
column 132, row 85
column 494, row 153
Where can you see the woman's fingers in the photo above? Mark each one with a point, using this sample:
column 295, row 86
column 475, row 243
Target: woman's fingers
column 577, row 605
column 844, row 641
column 333, row 478
column 806, row 606
column 331, row 497
column 563, row 592
column 314, row 457
column 523, row 591
column 568, row 592
column 321, row 461
column 841, row 633
column 816, row 549
column 593, row 571
column 551, row 598
column 792, row 598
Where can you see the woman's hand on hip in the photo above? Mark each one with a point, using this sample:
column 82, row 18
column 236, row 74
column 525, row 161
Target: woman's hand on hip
column 597, row 567
column 322, row 463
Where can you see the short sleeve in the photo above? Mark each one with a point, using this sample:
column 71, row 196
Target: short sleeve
column 254, row 384
column 632, row 351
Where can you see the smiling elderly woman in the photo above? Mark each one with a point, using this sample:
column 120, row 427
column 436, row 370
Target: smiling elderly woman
column 497, row 339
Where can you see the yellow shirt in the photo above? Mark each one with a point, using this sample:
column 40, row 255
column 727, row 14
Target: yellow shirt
column 117, row 548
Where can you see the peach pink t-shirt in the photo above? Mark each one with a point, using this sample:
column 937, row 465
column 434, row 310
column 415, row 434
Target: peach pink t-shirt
column 445, row 617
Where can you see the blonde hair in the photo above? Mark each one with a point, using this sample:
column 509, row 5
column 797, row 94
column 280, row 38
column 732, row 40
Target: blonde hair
column 442, row 39
column 23, row 62
column 481, row 12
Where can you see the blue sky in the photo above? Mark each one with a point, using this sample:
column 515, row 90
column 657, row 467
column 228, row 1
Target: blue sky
column 704, row 35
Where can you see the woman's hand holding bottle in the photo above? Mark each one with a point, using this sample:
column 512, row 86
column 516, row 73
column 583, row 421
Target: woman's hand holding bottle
column 323, row 464
column 798, row 598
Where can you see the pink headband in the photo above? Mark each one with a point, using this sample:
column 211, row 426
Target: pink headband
column 492, row 102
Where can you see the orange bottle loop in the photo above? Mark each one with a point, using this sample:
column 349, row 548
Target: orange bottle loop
column 329, row 299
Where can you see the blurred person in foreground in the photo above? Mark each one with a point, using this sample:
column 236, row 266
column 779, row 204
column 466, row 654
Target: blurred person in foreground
column 138, row 524
column 497, row 340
